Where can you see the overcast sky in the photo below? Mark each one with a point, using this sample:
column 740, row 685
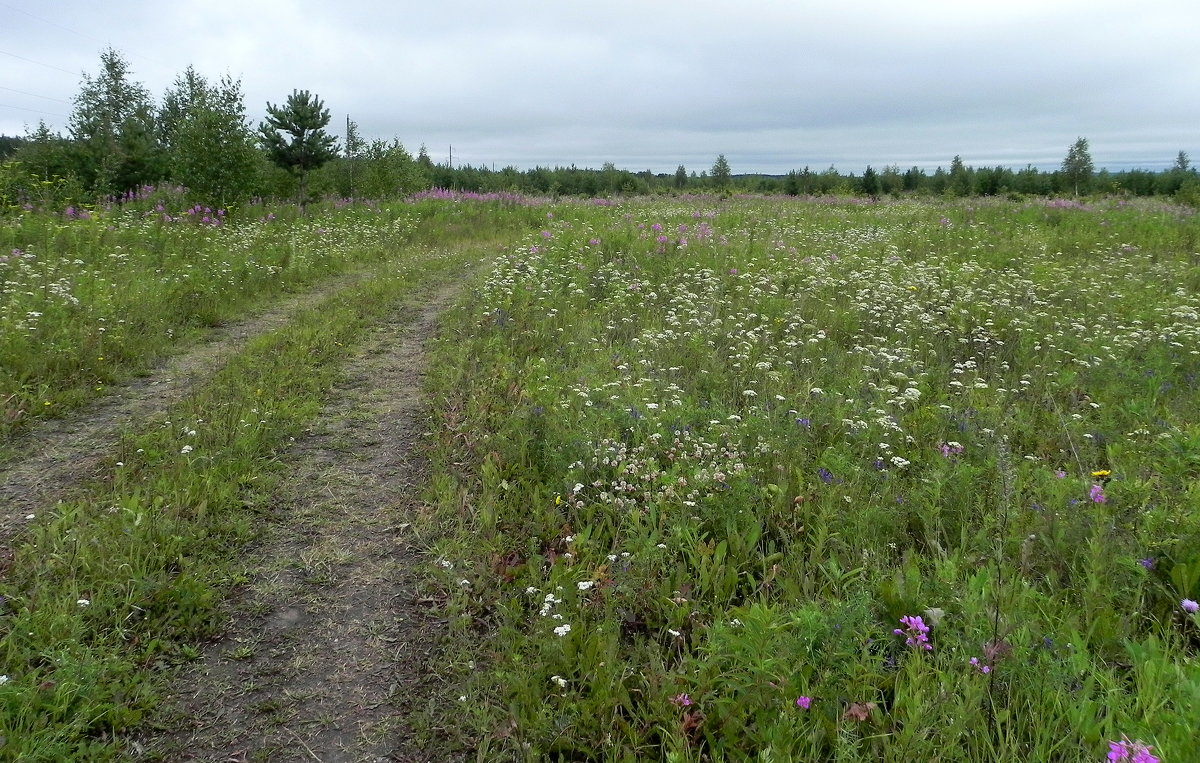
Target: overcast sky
column 650, row 85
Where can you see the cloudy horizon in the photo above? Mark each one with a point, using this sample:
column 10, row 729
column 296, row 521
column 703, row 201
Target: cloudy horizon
column 651, row 85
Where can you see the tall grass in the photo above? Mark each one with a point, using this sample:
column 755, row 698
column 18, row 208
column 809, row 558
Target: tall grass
column 700, row 459
column 92, row 296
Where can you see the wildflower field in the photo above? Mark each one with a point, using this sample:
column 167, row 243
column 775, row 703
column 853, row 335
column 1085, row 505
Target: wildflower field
column 708, row 478
column 827, row 480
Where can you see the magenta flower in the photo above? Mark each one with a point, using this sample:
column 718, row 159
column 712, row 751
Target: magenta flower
column 1189, row 606
column 682, row 699
column 950, row 449
column 1097, row 494
column 915, row 632
column 983, row 668
column 803, row 702
column 1132, row 752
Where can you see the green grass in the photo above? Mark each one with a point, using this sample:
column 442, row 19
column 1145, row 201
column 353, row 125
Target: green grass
column 108, row 591
column 731, row 457
column 731, row 444
column 89, row 301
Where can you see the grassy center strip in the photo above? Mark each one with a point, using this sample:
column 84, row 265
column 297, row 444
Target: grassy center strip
column 111, row 587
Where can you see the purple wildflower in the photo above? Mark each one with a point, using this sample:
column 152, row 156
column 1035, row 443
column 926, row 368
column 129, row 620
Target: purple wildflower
column 1133, row 752
column 950, row 449
column 682, row 699
column 1097, row 494
column 803, row 702
column 915, row 632
column 1189, row 606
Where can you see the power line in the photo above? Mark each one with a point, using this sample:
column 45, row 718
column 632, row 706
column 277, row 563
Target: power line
column 35, row 111
column 34, row 95
column 39, row 63
column 76, row 33
column 51, row 23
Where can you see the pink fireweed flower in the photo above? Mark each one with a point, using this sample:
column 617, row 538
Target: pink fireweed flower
column 1132, row 752
column 1097, row 494
column 915, row 632
column 803, row 702
column 950, row 449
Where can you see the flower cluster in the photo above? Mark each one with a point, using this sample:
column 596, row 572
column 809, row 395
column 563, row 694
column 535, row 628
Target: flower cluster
column 915, row 632
column 1130, row 752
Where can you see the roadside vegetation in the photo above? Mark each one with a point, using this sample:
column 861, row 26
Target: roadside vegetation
column 102, row 594
column 827, row 481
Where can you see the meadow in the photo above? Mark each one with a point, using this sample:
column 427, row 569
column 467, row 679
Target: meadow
column 710, row 478
column 828, row 480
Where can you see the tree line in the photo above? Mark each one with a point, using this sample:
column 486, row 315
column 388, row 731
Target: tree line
column 198, row 136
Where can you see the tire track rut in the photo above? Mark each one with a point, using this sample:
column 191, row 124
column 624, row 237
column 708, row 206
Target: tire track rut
column 59, row 456
column 331, row 649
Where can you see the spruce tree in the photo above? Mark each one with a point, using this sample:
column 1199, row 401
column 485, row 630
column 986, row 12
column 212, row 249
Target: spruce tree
column 721, row 173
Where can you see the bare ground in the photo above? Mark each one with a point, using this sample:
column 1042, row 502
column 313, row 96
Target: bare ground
column 60, row 455
column 330, row 649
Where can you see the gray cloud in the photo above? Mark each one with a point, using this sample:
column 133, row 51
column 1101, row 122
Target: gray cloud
column 649, row 85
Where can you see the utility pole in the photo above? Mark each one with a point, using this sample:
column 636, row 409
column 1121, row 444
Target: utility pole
column 350, row 150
